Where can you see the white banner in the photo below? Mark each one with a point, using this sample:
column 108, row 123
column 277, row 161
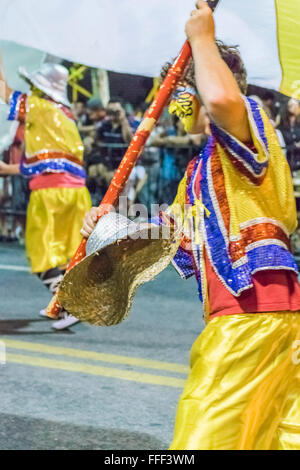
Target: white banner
column 138, row 36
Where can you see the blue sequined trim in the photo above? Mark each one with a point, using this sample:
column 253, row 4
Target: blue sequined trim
column 240, row 151
column 190, row 187
column 258, row 121
column 198, row 279
column 234, row 146
column 54, row 166
column 235, row 279
column 13, row 103
column 271, row 256
column 183, row 263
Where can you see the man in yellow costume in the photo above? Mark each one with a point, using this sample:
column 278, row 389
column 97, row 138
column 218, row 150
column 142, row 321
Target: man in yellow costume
column 243, row 389
column 54, row 163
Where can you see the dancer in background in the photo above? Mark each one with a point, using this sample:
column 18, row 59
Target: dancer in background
column 54, row 163
column 243, row 389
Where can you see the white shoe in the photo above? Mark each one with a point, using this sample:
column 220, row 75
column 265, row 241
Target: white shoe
column 66, row 322
column 43, row 313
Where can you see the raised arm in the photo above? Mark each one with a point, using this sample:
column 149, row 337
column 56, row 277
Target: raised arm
column 216, row 84
column 5, row 91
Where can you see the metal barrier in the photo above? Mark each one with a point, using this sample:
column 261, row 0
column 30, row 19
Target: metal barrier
column 164, row 165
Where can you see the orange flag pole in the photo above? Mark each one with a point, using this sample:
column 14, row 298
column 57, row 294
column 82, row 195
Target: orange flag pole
column 134, row 151
column 131, row 156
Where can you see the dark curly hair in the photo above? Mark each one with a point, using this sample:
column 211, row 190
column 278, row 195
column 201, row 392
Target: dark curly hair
column 230, row 55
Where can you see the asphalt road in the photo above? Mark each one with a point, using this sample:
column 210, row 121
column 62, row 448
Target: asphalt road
column 90, row 387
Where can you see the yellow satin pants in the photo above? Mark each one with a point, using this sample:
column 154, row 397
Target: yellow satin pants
column 243, row 392
column 54, row 220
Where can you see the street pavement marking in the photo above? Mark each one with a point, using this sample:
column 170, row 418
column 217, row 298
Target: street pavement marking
column 8, row 267
column 96, row 356
column 95, row 370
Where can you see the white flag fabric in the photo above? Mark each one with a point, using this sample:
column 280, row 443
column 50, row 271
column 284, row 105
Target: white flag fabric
column 138, row 36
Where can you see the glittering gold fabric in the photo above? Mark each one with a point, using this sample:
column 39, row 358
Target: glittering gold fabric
column 100, row 289
column 48, row 129
column 272, row 199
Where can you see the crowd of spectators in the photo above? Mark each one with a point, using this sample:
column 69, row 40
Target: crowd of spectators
column 107, row 131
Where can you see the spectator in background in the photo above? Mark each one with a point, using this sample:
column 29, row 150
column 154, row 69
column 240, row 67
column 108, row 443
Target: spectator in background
column 177, row 149
column 90, row 119
column 271, row 107
column 133, row 119
column 115, row 130
column 151, row 161
column 180, row 138
column 135, row 184
column 291, row 133
column 104, row 157
column 80, row 113
column 96, row 111
column 95, row 114
column 138, row 176
column 20, row 190
column 5, row 199
column 140, row 110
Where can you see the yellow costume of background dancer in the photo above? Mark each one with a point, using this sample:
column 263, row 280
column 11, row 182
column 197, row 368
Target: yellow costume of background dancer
column 54, row 215
column 54, row 163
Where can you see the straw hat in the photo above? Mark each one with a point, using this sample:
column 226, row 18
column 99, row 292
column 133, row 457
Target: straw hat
column 52, row 79
column 121, row 255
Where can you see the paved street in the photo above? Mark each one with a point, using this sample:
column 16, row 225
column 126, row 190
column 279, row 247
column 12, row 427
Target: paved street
column 91, row 387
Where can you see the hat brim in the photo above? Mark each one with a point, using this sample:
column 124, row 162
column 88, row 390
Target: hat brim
column 101, row 288
column 48, row 91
